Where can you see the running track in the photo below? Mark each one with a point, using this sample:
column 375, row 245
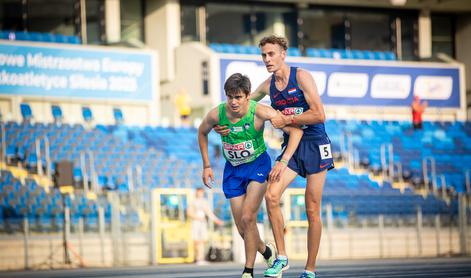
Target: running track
column 436, row 267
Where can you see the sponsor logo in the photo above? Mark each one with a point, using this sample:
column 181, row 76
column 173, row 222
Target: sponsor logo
column 433, row 87
column 343, row 84
column 324, row 165
column 391, row 86
column 247, row 126
column 236, row 147
column 260, row 174
column 293, row 111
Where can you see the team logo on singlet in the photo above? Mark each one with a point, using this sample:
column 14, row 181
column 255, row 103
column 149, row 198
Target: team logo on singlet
column 247, row 126
column 292, row 91
column 236, row 129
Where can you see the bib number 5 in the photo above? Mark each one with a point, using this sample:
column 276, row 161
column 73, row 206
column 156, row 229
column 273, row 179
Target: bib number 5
column 325, row 151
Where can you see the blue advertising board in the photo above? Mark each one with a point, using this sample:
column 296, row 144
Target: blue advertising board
column 366, row 83
column 78, row 72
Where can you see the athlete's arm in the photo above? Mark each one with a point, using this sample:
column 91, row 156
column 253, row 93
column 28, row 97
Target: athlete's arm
column 295, row 135
column 257, row 95
column 205, row 127
column 315, row 114
column 267, row 113
column 261, row 91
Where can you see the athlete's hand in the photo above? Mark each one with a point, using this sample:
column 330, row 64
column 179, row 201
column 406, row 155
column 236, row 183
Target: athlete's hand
column 219, row 222
column 279, row 121
column 222, row 130
column 276, row 172
column 208, row 177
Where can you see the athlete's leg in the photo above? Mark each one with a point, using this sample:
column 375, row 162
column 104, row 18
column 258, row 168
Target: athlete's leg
column 272, row 198
column 252, row 240
column 236, row 209
column 313, row 198
column 237, row 204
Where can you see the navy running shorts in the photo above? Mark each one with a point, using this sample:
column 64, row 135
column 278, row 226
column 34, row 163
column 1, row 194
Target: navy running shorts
column 313, row 155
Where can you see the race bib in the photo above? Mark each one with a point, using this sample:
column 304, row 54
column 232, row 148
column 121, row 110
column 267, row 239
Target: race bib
column 325, row 152
column 239, row 153
column 294, row 111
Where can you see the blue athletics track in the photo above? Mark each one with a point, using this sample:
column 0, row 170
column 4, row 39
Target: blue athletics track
column 436, row 267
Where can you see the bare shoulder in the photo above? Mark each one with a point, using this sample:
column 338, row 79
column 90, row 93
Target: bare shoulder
column 213, row 116
column 303, row 74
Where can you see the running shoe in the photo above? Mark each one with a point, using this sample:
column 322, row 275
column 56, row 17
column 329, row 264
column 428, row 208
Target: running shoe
column 279, row 265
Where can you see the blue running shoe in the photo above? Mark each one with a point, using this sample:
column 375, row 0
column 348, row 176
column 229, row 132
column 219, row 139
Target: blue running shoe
column 279, row 265
column 308, row 274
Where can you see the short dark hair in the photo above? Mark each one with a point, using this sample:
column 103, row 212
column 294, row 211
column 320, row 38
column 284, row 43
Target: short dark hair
column 237, row 83
column 273, row 39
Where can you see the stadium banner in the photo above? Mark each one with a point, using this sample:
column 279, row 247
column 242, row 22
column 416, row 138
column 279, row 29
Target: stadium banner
column 363, row 83
column 76, row 71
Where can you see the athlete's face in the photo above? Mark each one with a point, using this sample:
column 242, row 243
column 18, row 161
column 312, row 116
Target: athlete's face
column 273, row 56
column 237, row 102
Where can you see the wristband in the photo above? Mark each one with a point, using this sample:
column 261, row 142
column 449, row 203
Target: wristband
column 207, row 166
column 284, row 162
column 292, row 120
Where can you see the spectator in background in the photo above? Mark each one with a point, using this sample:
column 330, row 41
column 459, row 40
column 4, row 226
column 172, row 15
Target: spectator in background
column 418, row 109
column 198, row 211
column 182, row 101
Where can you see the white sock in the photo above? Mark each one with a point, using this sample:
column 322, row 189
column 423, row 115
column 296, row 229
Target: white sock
column 281, row 257
column 309, row 272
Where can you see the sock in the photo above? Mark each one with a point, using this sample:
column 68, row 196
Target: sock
column 248, row 270
column 281, row 257
column 267, row 253
column 309, row 272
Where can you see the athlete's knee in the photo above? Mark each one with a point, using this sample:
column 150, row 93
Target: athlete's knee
column 248, row 219
column 313, row 212
column 272, row 199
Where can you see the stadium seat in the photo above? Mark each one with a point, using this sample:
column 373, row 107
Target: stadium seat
column 118, row 116
column 87, row 114
column 26, row 112
column 56, row 113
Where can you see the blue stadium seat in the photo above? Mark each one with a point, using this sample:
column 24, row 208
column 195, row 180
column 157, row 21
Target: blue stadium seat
column 26, row 112
column 4, row 35
column 22, row 36
column 118, row 115
column 56, row 113
column 379, row 55
column 87, row 114
column 390, row 55
column 35, row 36
column 294, row 51
column 313, row 52
column 74, row 40
column 369, row 55
column 216, row 47
column 346, row 54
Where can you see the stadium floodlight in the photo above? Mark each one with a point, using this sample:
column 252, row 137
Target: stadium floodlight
column 398, row 2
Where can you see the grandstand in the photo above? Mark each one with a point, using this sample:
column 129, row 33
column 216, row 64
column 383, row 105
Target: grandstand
column 88, row 93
